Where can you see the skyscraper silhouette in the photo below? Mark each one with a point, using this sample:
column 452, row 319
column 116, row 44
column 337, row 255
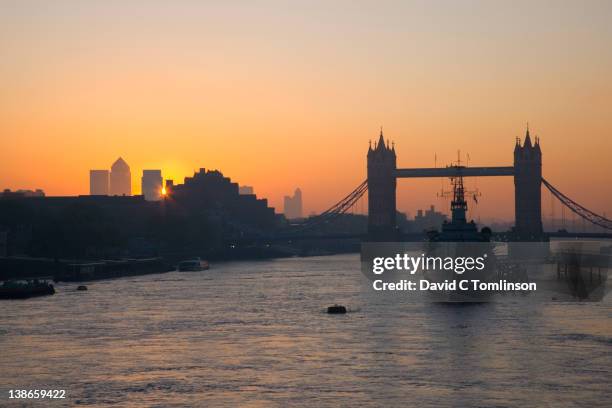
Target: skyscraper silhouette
column 293, row 205
column 120, row 178
column 98, row 182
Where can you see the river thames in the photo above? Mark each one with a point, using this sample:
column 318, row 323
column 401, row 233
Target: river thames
column 256, row 334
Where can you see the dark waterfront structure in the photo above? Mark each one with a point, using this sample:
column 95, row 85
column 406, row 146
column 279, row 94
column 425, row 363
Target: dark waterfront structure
column 205, row 213
column 87, row 227
column 383, row 172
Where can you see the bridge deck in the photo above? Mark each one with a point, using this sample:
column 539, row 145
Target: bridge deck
column 455, row 171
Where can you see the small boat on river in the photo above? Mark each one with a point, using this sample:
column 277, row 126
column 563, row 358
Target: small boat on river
column 193, row 265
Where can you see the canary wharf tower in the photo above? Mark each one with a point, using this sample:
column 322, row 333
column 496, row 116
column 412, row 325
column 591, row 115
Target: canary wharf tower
column 120, row 178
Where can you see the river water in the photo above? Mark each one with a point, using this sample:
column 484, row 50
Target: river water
column 256, row 334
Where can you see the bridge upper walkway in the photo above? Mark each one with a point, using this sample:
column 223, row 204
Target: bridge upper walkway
column 455, row 171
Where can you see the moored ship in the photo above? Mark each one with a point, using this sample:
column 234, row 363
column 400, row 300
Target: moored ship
column 461, row 239
column 25, row 289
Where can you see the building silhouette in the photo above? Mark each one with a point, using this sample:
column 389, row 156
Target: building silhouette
column 209, row 193
column 22, row 193
column 152, row 185
column 528, row 188
column 292, row 207
column 428, row 220
column 381, row 191
column 98, row 182
column 120, row 178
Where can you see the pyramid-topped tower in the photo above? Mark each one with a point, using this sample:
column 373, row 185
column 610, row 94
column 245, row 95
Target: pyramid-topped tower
column 120, row 178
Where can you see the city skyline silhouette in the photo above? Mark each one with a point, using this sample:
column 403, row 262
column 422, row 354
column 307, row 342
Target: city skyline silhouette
column 277, row 97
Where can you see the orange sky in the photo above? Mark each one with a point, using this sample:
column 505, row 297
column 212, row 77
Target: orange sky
column 279, row 96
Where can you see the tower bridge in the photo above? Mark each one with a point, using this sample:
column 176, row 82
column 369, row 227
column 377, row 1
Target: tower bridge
column 382, row 183
column 526, row 169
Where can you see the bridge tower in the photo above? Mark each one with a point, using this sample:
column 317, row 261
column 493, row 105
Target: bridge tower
column 381, row 191
column 527, row 189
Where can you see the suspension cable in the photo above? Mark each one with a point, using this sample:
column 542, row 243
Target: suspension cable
column 578, row 209
column 341, row 207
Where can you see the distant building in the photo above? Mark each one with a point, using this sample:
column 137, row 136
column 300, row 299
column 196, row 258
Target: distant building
column 98, row 182
column 293, row 205
column 120, row 178
column 245, row 190
column 22, row 193
column 152, row 185
column 428, row 220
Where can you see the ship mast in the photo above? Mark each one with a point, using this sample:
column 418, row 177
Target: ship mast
column 458, row 205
